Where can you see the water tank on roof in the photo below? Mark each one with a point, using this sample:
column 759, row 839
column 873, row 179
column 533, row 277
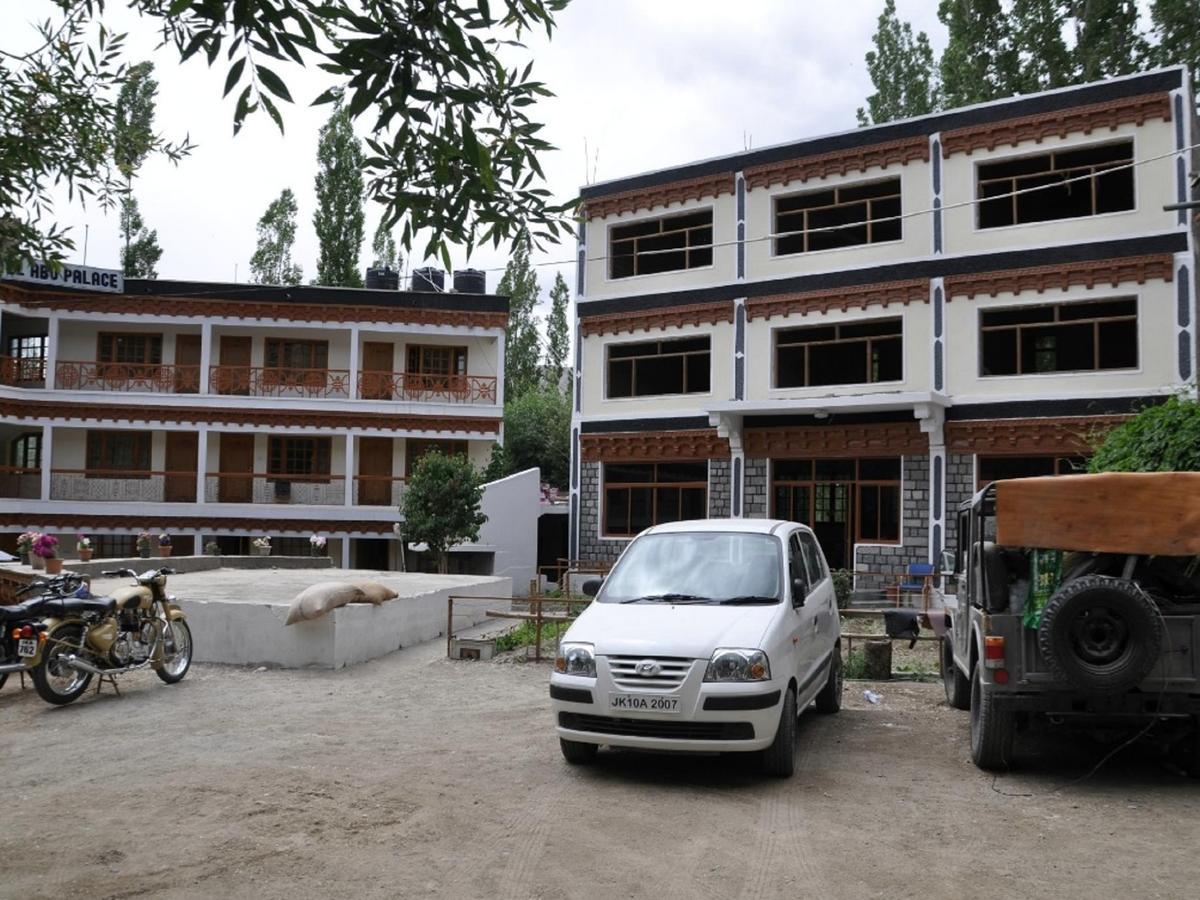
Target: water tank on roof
column 470, row 281
column 382, row 278
column 428, row 280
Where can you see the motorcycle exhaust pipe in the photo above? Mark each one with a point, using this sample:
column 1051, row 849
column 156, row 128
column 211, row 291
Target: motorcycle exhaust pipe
column 5, row 668
column 84, row 666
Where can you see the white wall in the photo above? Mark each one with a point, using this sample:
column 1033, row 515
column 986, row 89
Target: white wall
column 512, row 506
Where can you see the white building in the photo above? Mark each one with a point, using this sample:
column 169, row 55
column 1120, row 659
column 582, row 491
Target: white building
column 857, row 330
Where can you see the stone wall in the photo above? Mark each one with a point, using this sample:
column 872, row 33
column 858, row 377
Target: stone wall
column 591, row 547
column 720, row 488
column 960, row 486
column 755, row 504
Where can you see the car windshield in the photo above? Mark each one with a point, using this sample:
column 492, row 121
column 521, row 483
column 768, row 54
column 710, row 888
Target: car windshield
column 697, row 567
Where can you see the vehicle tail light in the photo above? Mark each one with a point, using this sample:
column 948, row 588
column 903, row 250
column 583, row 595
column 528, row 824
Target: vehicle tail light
column 27, row 631
column 993, row 652
column 16, row 634
column 1000, row 676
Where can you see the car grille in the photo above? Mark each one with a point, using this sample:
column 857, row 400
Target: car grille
column 657, row 728
column 672, row 671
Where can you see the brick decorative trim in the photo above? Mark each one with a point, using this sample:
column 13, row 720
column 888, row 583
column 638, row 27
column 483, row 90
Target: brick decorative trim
column 801, row 441
column 653, row 446
column 838, row 162
column 145, row 516
column 859, row 297
column 1114, row 272
column 1080, row 119
column 694, row 314
column 194, row 307
column 663, row 195
column 999, row 437
column 29, row 409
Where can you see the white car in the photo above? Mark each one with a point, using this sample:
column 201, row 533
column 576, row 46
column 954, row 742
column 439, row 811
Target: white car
column 709, row 635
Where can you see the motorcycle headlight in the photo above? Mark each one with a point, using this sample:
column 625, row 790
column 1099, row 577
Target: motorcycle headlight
column 738, row 665
column 576, row 659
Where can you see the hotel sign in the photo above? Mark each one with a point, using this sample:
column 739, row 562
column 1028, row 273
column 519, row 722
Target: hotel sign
column 69, row 276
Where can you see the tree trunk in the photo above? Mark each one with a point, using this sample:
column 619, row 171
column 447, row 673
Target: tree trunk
column 443, row 563
column 878, row 659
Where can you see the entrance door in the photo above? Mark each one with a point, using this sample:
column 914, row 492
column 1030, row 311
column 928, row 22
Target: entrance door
column 377, row 361
column 831, row 521
column 375, row 471
column 234, row 374
column 187, row 364
column 237, row 457
column 180, row 480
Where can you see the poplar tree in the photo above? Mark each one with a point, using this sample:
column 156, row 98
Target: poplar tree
column 141, row 253
column 383, row 249
column 132, row 141
column 272, row 260
column 339, row 218
column 558, row 336
column 1176, row 28
column 521, row 347
column 1043, row 60
column 902, row 71
column 978, row 63
column 1107, row 40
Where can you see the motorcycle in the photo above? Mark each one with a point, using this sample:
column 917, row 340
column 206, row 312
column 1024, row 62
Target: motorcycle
column 22, row 630
column 138, row 626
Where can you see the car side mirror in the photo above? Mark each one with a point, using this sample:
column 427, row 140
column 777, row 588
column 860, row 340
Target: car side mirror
column 591, row 587
column 799, row 591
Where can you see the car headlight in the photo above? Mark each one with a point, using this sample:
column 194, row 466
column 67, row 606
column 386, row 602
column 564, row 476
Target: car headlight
column 738, row 665
column 576, row 659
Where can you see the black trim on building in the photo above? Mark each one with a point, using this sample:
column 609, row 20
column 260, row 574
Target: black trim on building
column 1036, row 409
column 688, row 423
column 869, row 418
column 1017, row 107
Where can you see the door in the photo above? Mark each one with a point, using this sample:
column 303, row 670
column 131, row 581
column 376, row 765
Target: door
column 180, row 480
column 377, row 361
column 806, row 644
column 236, row 481
column 831, row 521
column 187, row 364
column 821, row 599
column 375, row 471
column 233, row 376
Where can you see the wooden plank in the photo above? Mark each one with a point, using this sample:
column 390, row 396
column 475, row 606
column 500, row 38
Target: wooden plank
column 501, row 614
column 1145, row 513
column 884, row 637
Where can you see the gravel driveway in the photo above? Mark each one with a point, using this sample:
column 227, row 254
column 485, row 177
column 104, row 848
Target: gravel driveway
column 413, row 776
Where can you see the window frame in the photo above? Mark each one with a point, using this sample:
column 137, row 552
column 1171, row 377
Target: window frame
column 776, row 232
column 710, row 245
column 315, row 347
column 278, row 456
column 654, row 485
column 18, row 449
column 459, row 358
column 106, row 341
column 778, row 330
column 854, row 506
column 686, row 354
column 14, row 347
column 1136, row 318
column 97, row 444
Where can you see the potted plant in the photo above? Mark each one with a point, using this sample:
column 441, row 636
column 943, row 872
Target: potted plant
column 212, row 548
column 84, row 548
column 317, row 542
column 261, row 546
column 143, row 545
column 35, row 561
column 25, row 546
column 164, row 545
column 46, row 548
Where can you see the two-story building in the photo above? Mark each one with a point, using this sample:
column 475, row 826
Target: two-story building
column 856, row 331
column 224, row 412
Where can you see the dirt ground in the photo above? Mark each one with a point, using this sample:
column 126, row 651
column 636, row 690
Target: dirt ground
column 414, row 776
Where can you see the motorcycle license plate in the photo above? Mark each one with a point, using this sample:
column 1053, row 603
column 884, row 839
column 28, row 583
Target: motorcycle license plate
column 27, row 647
column 643, row 703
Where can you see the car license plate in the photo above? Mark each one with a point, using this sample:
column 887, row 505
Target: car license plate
column 642, row 703
column 27, row 647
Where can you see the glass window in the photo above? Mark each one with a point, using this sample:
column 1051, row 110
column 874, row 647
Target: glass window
column 657, row 368
column 118, row 454
column 813, row 560
column 638, row 495
column 1067, row 337
column 135, row 349
column 304, row 457
column 433, row 360
column 714, row 565
column 838, row 217
column 286, row 353
column 847, row 353
column 668, row 244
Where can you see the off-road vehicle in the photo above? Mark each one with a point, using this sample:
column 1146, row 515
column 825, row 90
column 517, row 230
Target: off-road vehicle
column 1078, row 599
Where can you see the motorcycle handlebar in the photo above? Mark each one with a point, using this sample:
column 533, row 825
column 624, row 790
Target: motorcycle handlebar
column 117, row 573
column 64, row 583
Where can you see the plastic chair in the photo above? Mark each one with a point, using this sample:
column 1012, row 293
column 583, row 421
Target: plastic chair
column 918, row 580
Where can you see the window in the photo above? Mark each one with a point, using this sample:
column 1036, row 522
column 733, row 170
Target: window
column 114, row 546
column 414, row 450
column 135, row 349
column 998, row 468
column 281, row 353
column 25, row 452
column 1070, row 337
column 118, row 454
column 853, row 215
column 638, row 495
column 307, row 457
column 653, row 368
column 849, row 353
column 661, row 245
column 812, row 559
column 28, row 346
column 1098, row 189
column 427, row 360
column 859, row 497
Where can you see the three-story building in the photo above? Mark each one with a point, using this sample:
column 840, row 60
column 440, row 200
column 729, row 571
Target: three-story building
column 856, row 331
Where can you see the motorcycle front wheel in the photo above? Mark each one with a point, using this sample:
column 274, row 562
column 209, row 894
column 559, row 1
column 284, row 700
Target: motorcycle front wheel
column 55, row 681
column 177, row 652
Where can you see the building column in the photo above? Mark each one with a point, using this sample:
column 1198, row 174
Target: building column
column 730, row 427
column 47, row 451
column 346, row 552
column 201, row 465
column 351, row 469
column 205, row 356
column 354, row 349
column 51, row 352
column 933, row 420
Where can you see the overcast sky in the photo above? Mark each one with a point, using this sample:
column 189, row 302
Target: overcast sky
column 646, row 83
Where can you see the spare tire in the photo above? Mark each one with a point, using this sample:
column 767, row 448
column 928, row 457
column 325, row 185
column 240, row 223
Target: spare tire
column 1100, row 634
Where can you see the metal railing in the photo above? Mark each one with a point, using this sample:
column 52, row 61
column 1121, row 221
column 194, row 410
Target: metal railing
column 378, row 490
column 159, row 378
column 22, row 371
column 265, row 487
column 20, row 484
column 122, row 485
column 263, row 381
column 480, row 389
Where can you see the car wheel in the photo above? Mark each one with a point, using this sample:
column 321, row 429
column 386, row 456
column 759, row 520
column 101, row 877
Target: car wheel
column 578, row 753
column 780, row 758
column 830, row 698
column 958, row 688
column 991, row 727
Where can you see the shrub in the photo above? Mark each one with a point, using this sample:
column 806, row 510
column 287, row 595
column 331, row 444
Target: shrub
column 1163, row 438
column 843, row 586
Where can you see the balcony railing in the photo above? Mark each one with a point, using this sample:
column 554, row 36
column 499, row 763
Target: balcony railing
column 23, row 371
column 378, row 490
column 262, row 487
column 122, row 486
column 156, row 378
column 258, row 381
column 20, row 484
column 427, row 388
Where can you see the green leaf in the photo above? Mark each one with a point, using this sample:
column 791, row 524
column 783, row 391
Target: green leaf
column 273, row 83
column 235, row 73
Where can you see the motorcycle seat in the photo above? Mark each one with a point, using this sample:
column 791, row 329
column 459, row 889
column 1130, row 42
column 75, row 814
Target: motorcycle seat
column 76, row 605
column 19, row 612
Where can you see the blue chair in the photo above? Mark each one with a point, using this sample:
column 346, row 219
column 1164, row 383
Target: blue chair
column 918, row 580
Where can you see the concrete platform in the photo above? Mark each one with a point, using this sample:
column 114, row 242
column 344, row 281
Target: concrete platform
column 237, row 616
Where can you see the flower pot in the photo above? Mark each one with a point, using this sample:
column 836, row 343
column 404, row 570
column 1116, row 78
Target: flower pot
column 259, row 551
column 37, row 562
column 144, row 552
column 24, row 557
column 53, row 565
column 164, row 551
column 85, row 555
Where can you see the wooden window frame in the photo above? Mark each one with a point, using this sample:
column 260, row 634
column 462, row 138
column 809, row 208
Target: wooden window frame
column 96, row 447
column 690, row 358
column 1022, row 328
column 106, row 343
column 869, row 340
column 655, row 485
column 781, row 231
column 1051, row 157
column 17, row 343
column 273, row 346
column 693, row 245
column 855, row 500
column 458, row 360
column 24, row 438
column 279, row 453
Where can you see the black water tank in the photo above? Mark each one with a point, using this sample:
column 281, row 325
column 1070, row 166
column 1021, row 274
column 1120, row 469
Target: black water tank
column 470, row 281
column 383, row 278
column 428, row 280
